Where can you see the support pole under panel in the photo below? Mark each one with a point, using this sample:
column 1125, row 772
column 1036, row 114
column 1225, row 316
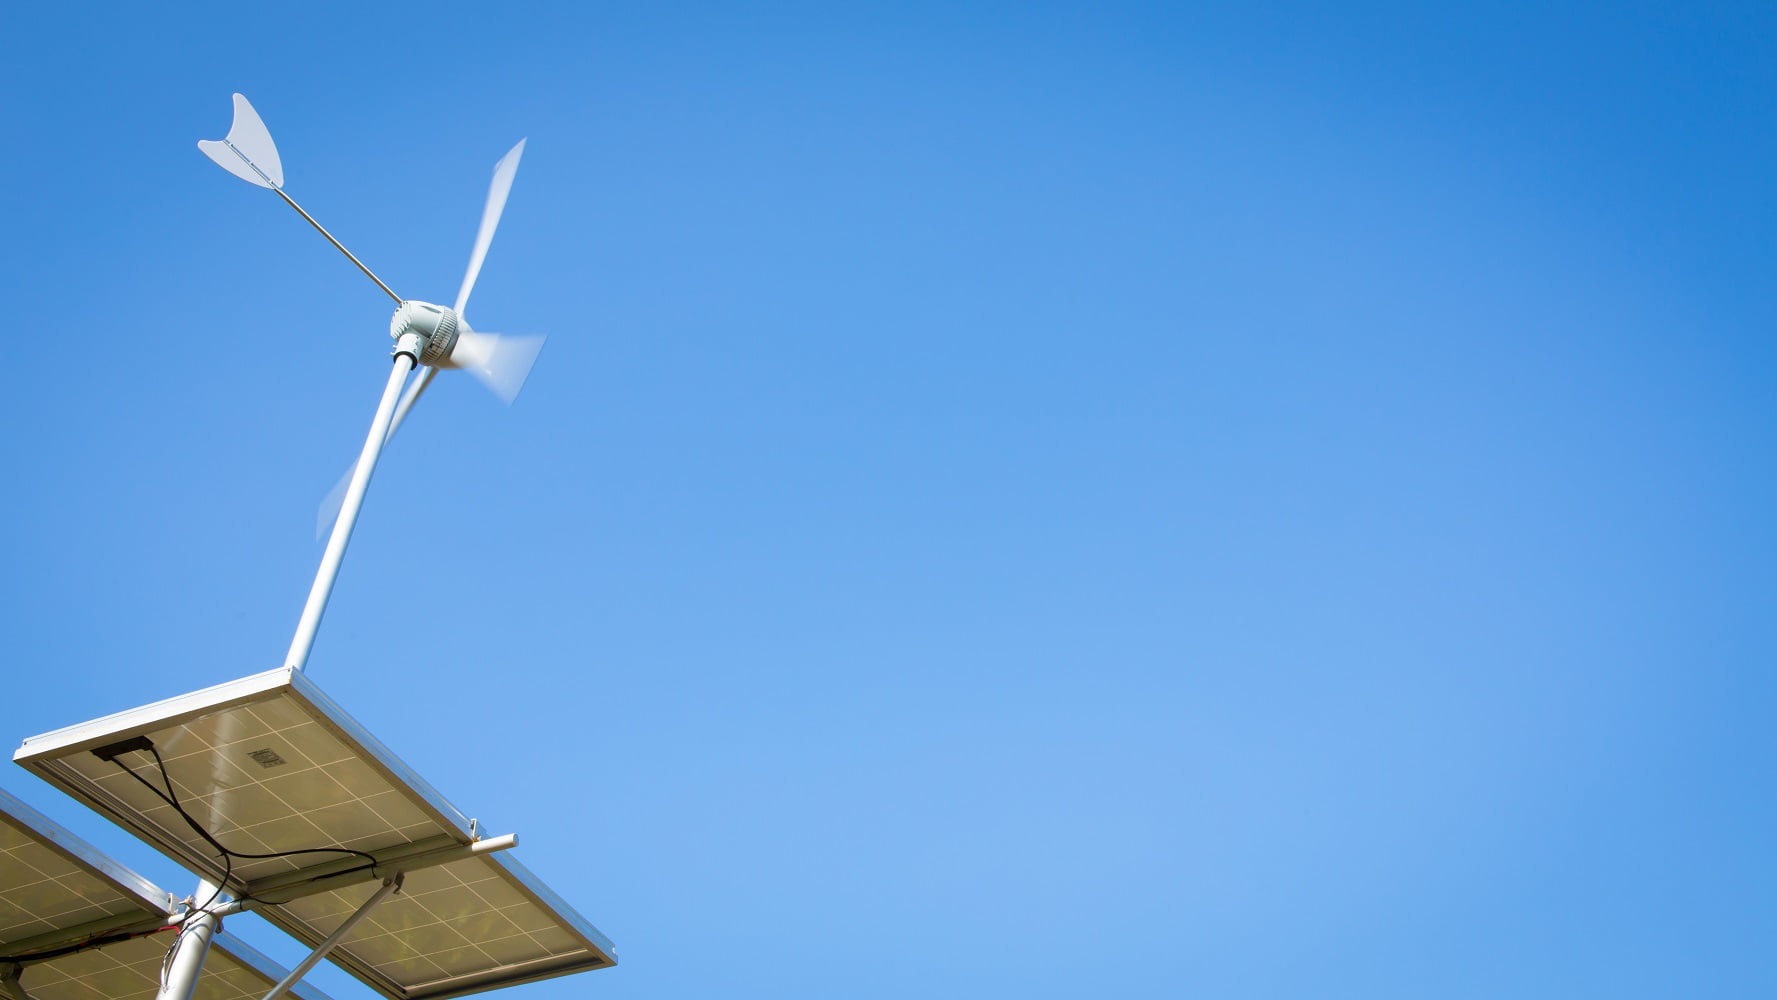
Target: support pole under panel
column 191, row 948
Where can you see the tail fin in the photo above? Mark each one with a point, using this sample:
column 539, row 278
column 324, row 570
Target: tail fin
column 247, row 152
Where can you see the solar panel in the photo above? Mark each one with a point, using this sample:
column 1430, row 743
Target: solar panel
column 268, row 765
column 56, row 891
column 130, row 970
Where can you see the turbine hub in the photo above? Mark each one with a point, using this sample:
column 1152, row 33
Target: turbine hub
column 435, row 325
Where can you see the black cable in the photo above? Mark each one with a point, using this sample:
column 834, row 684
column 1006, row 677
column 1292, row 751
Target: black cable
column 171, row 798
column 227, row 870
column 166, row 961
column 69, row 949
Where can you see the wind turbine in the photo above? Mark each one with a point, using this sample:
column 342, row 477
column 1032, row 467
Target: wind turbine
column 426, row 335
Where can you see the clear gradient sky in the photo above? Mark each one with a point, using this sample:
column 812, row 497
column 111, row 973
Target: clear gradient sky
column 1218, row 500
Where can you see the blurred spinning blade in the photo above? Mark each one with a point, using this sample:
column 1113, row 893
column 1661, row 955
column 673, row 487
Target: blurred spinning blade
column 501, row 362
column 497, row 191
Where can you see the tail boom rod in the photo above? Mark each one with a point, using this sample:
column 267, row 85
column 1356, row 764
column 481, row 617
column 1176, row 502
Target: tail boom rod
column 337, row 244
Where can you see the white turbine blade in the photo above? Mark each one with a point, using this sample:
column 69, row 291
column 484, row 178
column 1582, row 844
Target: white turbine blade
column 328, row 512
column 247, row 152
column 490, row 219
column 500, row 361
column 414, row 392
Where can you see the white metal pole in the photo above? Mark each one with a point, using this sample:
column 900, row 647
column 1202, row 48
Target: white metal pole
column 345, row 927
column 191, row 947
column 407, row 351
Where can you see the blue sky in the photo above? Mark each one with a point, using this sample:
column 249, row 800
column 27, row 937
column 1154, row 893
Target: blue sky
column 1238, row 500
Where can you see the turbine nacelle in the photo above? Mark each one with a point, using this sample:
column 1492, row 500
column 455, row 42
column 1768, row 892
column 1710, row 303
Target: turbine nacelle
column 436, row 326
column 500, row 361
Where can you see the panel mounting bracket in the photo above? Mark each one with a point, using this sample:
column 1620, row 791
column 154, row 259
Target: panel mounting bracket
column 390, row 885
column 9, row 982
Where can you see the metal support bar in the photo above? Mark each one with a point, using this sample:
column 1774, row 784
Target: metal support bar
column 191, row 948
column 406, row 356
column 391, row 884
column 9, row 983
column 322, row 230
column 311, row 882
column 274, row 890
column 92, row 930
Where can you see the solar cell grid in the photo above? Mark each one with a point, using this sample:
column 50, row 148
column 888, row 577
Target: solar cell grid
column 318, row 794
column 42, row 890
column 130, row 970
column 52, row 886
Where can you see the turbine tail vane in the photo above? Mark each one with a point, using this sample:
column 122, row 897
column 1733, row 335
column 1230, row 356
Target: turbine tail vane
column 247, row 151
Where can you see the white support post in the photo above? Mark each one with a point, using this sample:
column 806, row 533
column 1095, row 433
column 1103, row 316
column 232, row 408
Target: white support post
column 407, row 353
column 191, row 947
column 389, row 885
